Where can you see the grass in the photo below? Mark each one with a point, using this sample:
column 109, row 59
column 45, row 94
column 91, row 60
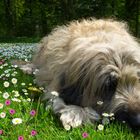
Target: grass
column 46, row 125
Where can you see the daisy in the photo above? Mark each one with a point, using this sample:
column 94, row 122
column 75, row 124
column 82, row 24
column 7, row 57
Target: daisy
column 111, row 114
column 15, row 66
column 23, row 84
column 54, row 93
column 99, row 102
column 24, row 90
column 105, row 114
column 1, row 67
column 16, row 100
column 7, row 75
column 16, row 94
column 6, row 84
column 1, row 106
column 16, row 121
column 6, row 95
column 26, row 93
column 100, row 127
column 30, row 84
column 2, row 115
column 14, row 80
column 28, row 99
column 6, row 64
column 67, row 127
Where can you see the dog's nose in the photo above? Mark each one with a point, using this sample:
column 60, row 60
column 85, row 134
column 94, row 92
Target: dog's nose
column 134, row 121
column 131, row 118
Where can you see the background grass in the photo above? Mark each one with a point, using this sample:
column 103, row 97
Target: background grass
column 46, row 124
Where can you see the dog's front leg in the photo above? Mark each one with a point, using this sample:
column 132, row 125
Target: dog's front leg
column 72, row 115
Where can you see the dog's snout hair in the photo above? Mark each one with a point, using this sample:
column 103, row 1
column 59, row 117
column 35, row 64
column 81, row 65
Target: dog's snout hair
column 89, row 61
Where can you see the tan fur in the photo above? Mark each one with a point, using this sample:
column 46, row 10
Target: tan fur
column 101, row 46
column 87, row 52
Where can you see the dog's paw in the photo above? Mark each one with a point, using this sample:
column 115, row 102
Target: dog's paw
column 71, row 117
column 28, row 68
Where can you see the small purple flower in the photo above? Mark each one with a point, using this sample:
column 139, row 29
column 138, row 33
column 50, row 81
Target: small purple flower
column 12, row 111
column 33, row 132
column 7, row 102
column 20, row 138
column 1, row 132
column 85, row 135
column 32, row 112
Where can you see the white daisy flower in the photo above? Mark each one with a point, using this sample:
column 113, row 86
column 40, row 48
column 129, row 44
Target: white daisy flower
column 7, row 75
column 15, row 66
column 111, row 114
column 26, row 60
column 105, row 114
column 24, row 90
column 6, row 64
column 100, row 127
column 54, row 93
column 13, row 74
column 2, row 115
column 41, row 88
column 14, row 80
column 123, row 121
column 26, row 93
column 16, row 100
column 28, row 99
column 23, row 84
column 1, row 106
column 6, row 71
column 36, row 71
column 6, row 84
column 67, row 127
column 16, row 94
column 16, row 121
column 100, row 102
column 6, row 95
column 30, row 84
column 1, row 67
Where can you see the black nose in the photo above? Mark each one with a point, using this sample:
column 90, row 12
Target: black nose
column 134, row 121
column 131, row 118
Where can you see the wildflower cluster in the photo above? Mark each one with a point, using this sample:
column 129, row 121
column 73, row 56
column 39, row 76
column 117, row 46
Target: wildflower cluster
column 15, row 103
column 19, row 50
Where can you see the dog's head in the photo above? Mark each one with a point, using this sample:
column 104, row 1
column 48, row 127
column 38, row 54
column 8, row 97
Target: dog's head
column 126, row 100
column 117, row 85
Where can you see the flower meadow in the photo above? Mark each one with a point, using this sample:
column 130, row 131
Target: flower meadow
column 23, row 117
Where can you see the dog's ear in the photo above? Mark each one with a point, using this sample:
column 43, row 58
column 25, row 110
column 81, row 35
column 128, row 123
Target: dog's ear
column 26, row 67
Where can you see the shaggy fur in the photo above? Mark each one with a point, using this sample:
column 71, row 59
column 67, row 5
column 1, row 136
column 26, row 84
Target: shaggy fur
column 89, row 61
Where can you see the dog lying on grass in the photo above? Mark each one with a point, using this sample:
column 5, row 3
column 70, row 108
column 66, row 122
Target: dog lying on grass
column 94, row 67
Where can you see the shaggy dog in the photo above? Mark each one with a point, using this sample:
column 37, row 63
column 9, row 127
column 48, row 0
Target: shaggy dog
column 94, row 66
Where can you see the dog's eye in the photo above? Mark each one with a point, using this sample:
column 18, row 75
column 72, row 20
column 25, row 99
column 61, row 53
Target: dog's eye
column 111, row 81
column 109, row 87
